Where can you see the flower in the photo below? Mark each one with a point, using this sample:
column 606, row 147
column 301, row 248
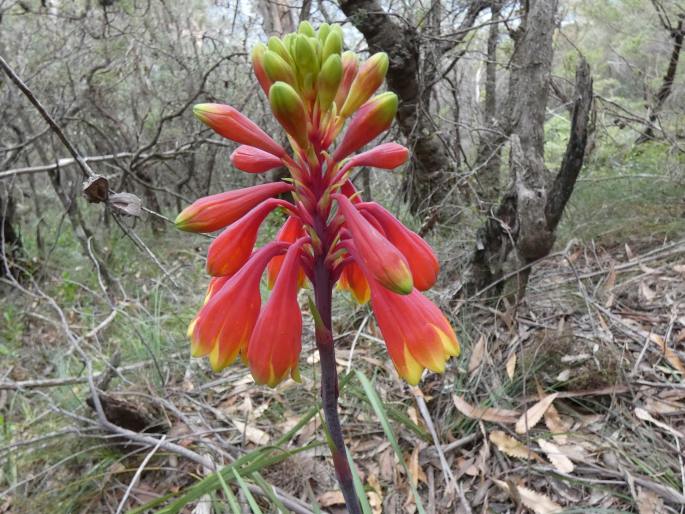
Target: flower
column 374, row 117
column 387, row 156
column 274, row 347
column 253, row 160
column 369, row 78
column 416, row 333
column 290, row 112
column 352, row 279
column 383, row 261
column 423, row 262
column 218, row 211
column 290, row 232
column 232, row 248
column 224, row 325
column 231, row 124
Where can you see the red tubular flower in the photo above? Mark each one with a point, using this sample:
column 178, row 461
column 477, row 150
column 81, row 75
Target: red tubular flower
column 253, row 160
column 218, row 211
column 385, row 263
column 352, row 279
column 416, row 333
column 367, row 80
column 232, row 248
column 423, row 262
column 374, row 117
column 224, row 325
column 290, row 232
column 231, row 124
column 350, row 192
column 274, row 348
column 387, row 156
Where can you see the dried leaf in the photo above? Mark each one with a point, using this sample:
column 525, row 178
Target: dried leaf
column 557, row 426
column 646, row 416
column 649, row 502
column 477, row 355
column 253, row 434
column 414, row 467
column 663, row 407
column 538, row 503
column 484, row 413
column 126, row 203
column 669, row 354
column 648, row 293
column 330, row 498
column 511, row 366
column 512, row 447
column 556, row 457
column 533, row 415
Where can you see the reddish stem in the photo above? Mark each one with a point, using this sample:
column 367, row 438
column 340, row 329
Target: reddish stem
column 323, row 293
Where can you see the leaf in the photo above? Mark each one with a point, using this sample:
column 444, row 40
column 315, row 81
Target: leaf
column 557, row 426
column 511, row 366
column 647, row 292
column 331, row 498
column 646, row 416
column 649, row 502
column 556, row 457
column 538, row 503
column 253, row 434
column 477, row 355
column 484, row 413
column 126, row 203
column 669, row 354
column 512, row 447
column 96, row 189
column 533, row 415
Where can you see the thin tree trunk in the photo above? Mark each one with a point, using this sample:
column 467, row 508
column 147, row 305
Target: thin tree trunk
column 522, row 228
column 408, row 75
column 677, row 33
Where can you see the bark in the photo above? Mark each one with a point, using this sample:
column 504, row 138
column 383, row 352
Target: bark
column 677, row 34
column 412, row 78
column 489, row 156
column 522, row 228
column 11, row 249
column 277, row 17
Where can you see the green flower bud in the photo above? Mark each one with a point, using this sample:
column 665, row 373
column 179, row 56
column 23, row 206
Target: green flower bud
column 369, row 78
column 277, row 69
column 329, row 81
column 276, row 45
column 333, row 45
column 306, row 29
column 290, row 112
column 324, row 30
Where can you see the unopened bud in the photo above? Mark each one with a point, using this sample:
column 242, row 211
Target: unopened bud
column 369, row 78
column 306, row 28
column 278, row 46
column 329, row 80
column 278, row 69
column 332, row 45
column 258, row 66
column 289, row 110
column 350, row 67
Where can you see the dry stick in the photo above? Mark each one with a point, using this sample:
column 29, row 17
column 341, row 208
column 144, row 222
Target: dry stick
column 139, row 471
column 46, row 116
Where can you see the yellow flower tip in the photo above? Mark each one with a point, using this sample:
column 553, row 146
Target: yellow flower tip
column 412, row 369
column 191, row 328
column 202, row 112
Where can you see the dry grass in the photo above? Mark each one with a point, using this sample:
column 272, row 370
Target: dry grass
column 602, row 329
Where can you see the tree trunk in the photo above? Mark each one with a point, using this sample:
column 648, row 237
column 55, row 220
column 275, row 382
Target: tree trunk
column 431, row 166
column 522, row 228
column 492, row 138
column 677, row 33
column 11, row 249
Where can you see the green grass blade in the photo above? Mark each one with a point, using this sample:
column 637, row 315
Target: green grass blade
column 230, row 497
column 359, row 487
column 248, row 495
column 385, row 423
column 269, row 491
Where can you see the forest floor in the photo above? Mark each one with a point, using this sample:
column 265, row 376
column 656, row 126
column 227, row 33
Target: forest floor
column 573, row 402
